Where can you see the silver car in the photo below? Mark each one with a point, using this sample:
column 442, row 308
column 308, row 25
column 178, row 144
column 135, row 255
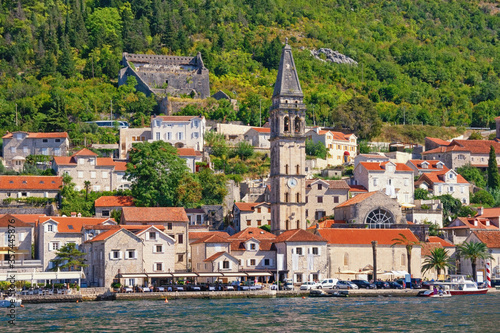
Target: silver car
column 345, row 285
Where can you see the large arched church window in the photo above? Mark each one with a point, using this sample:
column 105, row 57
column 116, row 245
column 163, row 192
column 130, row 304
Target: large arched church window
column 297, row 124
column 379, row 218
column 286, row 124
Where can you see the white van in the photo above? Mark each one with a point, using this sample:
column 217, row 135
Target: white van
column 328, row 284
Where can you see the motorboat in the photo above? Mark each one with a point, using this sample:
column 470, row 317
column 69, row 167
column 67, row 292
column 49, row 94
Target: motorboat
column 461, row 285
column 7, row 302
column 328, row 293
column 435, row 293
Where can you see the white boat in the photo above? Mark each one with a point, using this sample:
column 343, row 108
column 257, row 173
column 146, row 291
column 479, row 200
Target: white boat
column 7, row 302
column 461, row 285
column 434, row 293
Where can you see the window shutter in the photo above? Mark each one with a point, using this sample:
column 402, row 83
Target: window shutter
column 119, row 254
column 319, row 250
column 147, row 235
column 230, row 265
column 248, row 262
column 111, row 255
column 220, row 265
column 156, row 235
column 135, row 254
column 270, row 262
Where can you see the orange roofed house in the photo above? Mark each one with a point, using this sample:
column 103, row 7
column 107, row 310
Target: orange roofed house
column 350, row 253
column 461, row 228
column 259, row 137
column 29, row 186
column 251, row 214
column 105, row 205
column 175, row 221
column 54, row 232
column 490, row 238
column 445, row 182
column 104, row 173
column 341, row 148
column 18, row 145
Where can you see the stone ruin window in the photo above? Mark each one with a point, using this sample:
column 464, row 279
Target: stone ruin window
column 297, row 124
column 286, row 124
column 379, row 218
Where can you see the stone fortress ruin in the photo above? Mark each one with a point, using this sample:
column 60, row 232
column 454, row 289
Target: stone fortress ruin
column 166, row 76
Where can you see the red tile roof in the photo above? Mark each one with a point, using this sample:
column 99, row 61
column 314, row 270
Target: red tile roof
column 85, row 152
column 120, row 166
column 6, row 219
column 469, row 223
column 187, row 152
column 154, row 214
column 196, row 235
column 477, row 146
column 357, row 188
column 141, row 227
column 215, row 256
column 64, row 160
column 38, row 135
column 338, row 136
column 444, row 149
column 249, row 206
column 239, row 245
column 28, row 218
column 432, row 165
column 325, row 224
column 298, row 235
column 104, row 235
column 380, row 166
column 357, row 199
column 435, row 239
column 428, row 247
column 114, row 201
column 252, row 232
column 490, row 238
column 364, row 236
column 177, row 118
column 439, row 177
column 440, row 142
column 262, row 129
column 74, row 224
column 30, row 183
column 490, row 212
column 100, row 161
column 333, row 184
column 213, row 238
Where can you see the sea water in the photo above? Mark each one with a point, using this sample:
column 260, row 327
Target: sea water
column 475, row 313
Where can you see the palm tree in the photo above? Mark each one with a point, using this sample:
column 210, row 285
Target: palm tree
column 409, row 246
column 438, row 259
column 474, row 251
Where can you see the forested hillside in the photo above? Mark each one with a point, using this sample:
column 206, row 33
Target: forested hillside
column 419, row 61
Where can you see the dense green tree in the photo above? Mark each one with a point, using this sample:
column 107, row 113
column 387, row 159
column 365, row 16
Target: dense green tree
column 466, row 211
column 65, row 63
column 409, row 244
column 189, row 192
column 472, row 175
column 439, row 259
column 421, row 194
column 474, row 251
column 243, row 150
column 214, row 186
column 358, row 115
column 451, row 207
column 155, row 171
column 475, row 136
column 493, row 175
column 316, row 149
column 69, row 258
column 483, row 197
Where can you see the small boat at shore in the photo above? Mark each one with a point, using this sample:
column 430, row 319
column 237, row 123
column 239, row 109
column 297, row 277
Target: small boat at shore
column 460, row 285
column 434, row 293
column 7, row 302
column 328, row 293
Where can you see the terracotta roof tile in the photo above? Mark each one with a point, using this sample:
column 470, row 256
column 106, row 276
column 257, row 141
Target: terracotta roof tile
column 435, row 239
column 28, row 218
column 357, row 188
column 440, row 142
column 6, row 219
column 64, row 160
column 262, row 129
column 333, row 184
column 490, row 212
column 490, row 238
column 478, row 146
column 357, row 199
column 252, row 232
column 337, row 136
column 432, row 165
column 74, row 224
column 141, row 227
column 114, row 201
column 104, row 235
column 380, row 166
column 30, row 183
column 85, row 152
column 445, row 149
column 187, row 152
column 39, row 135
column 176, row 118
column 364, row 236
column 325, row 224
column 298, row 235
column 196, row 235
column 470, row 223
column 213, row 238
column 239, row 245
column 120, row 166
column 215, row 256
column 439, row 177
column 154, row 214
column 249, row 206
column 428, row 247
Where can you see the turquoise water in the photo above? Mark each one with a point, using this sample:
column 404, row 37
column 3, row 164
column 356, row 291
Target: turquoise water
column 479, row 313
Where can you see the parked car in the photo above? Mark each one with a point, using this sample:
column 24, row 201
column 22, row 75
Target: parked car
column 345, row 285
column 416, row 283
column 328, row 284
column 309, row 285
column 364, row 284
column 395, row 285
column 382, row 285
column 288, row 284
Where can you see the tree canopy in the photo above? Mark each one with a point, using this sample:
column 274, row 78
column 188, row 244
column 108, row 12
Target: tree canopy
column 69, row 258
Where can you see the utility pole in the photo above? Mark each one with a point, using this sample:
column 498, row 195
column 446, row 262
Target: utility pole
column 260, row 113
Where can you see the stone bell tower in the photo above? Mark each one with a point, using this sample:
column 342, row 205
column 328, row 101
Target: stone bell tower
column 288, row 149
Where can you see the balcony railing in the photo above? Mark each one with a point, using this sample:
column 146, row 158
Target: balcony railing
column 22, row 263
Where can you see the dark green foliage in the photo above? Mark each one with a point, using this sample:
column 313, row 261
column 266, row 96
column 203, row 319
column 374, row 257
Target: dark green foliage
column 466, row 211
column 266, row 227
column 472, row 175
column 359, row 116
column 483, row 197
column 243, row 150
column 69, row 258
column 317, row 149
column 493, row 175
column 475, row 136
column 421, row 194
column 451, row 207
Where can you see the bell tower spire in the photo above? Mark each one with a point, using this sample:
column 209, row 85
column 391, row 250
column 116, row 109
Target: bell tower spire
column 287, row 148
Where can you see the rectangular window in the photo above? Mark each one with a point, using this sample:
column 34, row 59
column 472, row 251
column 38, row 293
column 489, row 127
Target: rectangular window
column 55, row 246
column 180, row 136
column 298, row 250
column 320, row 199
column 169, row 226
column 195, row 135
column 451, row 188
column 105, row 213
column 198, row 219
column 259, row 222
column 320, row 187
column 169, row 135
column 131, row 254
column 158, row 248
column 269, row 210
column 152, row 235
column 180, row 239
column 25, row 150
column 158, row 266
column 158, row 136
column 258, row 210
column 50, row 227
column 81, row 161
column 267, row 262
column 268, row 222
column 252, row 262
column 92, row 174
column 45, row 140
column 13, row 150
column 298, row 277
column 180, row 258
column 307, row 212
column 92, row 161
column 335, row 199
column 104, row 174
column 57, row 151
column 115, row 254
column 315, row 251
column 80, row 174
column 375, row 181
column 252, row 246
column 249, row 222
column 45, row 151
column 225, row 264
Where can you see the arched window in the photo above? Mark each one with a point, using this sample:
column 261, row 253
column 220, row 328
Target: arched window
column 298, row 224
column 403, row 260
column 297, row 124
column 298, row 197
column 286, row 124
column 379, row 218
column 297, row 169
column 286, row 169
column 346, row 259
column 286, row 197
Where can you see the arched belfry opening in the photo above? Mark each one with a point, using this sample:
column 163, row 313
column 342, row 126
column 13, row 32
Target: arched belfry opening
column 297, row 124
column 286, row 123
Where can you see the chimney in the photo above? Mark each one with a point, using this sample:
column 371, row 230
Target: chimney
column 481, row 210
column 487, row 223
column 475, row 223
column 73, row 214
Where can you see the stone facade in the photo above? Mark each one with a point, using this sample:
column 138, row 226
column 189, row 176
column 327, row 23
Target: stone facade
column 426, row 211
column 18, row 145
column 445, row 182
column 322, row 196
column 422, row 166
column 288, row 153
column 20, row 241
column 179, row 131
column 105, row 205
column 103, row 173
column 373, row 208
column 166, row 75
column 395, row 179
column 129, row 136
column 259, row 137
column 492, row 241
column 341, row 148
column 29, row 186
column 158, row 251
column 251, row 215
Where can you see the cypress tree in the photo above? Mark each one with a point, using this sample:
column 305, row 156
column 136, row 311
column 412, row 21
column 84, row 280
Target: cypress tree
column 66, row 64
column 493, row 175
